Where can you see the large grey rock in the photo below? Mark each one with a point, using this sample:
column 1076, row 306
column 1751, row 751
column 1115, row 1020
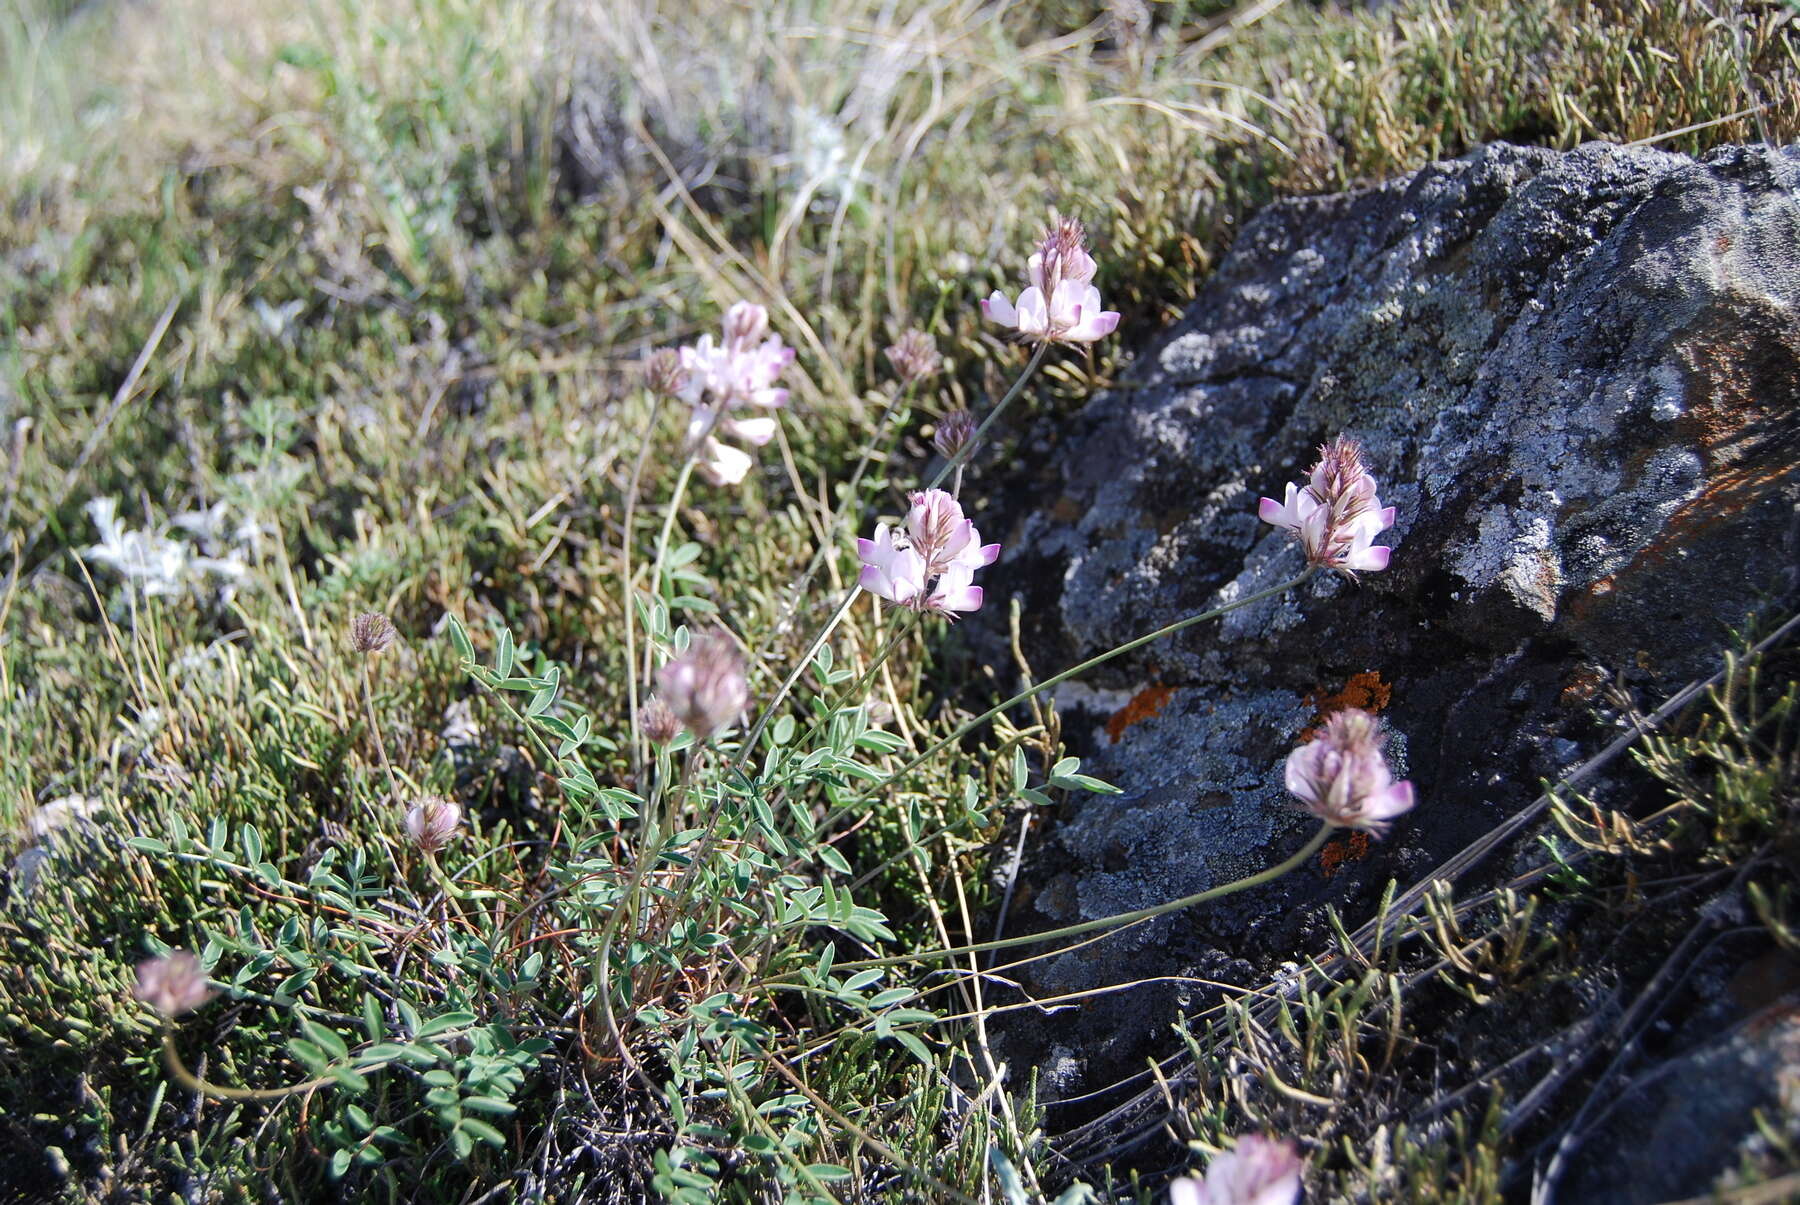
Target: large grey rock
column 1576, row 374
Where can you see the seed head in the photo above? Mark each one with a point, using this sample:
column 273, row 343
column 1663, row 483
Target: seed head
column 954, row 431
column 371, row 633
column 663, row 374
column 705, row 687
column 432, row 821
column 172, row 984
column 914, row 356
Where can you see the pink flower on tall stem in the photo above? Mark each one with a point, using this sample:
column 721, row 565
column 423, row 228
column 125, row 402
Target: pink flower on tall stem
column 1336, row 515
column 1061, row 305
column 717, row 379
column 1343, row 778
column 1258, row 1171
column 929, row 562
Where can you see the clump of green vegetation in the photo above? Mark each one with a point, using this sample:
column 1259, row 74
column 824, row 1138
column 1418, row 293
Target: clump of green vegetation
column 377, row 279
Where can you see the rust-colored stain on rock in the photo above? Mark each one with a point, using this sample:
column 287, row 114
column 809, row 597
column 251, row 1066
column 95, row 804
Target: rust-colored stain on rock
column 1365, row 691
column 1144, row 704
column 1353, row 848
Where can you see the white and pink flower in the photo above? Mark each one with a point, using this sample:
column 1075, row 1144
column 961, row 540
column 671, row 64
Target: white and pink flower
column 1061, row 305
column 1258, row 1171
column 1343, row 778
column 716, row 378
column 1336, row 515
column 929, row 562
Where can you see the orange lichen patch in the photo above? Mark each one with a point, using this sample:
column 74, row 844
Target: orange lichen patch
column 1582, row 687
column 1353, row 848
column 1365, row 691
column 1144, row 704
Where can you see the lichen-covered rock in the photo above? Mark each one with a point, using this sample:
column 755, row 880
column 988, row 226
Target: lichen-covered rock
column 1577, row 376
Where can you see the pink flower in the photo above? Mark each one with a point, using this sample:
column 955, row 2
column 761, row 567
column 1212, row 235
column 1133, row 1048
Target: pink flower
column 930, row 561
column 1336, row 515
column 1342, row 777
column 717, row 378
column 705, row 687
column 1061, row 305
column 173, row 984
column 1259, row 1171
column 432, row 821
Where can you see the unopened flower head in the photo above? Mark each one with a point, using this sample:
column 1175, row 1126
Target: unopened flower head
column 371, row 633
column 914, row 356
column 1343, row 778
column 658, row 722
column 1258, row 1171
column 1336, row 515
column 745, row 323
column 663, row 374
column 432, row 821
column 705, row 687
column 929, row 562
column 1061, row 305
column 172, row 984
column 720, row 378
column 954, row 431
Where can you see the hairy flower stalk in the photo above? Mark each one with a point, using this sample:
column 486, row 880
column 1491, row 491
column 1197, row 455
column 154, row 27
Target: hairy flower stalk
column 705, row 688
column 1258, row 1171
column 720, row 378
column 1336, row 515
column 1343, row 778
column 1061, row 305
column 929, row 563
column 172, row 984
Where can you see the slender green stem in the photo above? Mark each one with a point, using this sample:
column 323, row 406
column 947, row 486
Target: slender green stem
column 193, row 1083
column 961, row 458
column 1120, row 921
column 901, row 631
column 812, row 650
column 954, row 463
column 1058, row 679
column 626, row 539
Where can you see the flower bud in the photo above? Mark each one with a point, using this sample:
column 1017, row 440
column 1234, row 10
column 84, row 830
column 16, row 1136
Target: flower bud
column 172, row 984
column 663, row 374
column 954, row 431
column 432, row 821
column 371, row 633
column 657, row 722
column 914, row 356
column 745, row 323
column 705, row 687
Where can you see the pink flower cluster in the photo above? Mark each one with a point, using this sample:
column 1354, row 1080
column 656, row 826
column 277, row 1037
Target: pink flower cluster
column 929, row 562
column 1336, row 515
column 172, row 984
column 740, row 370
column 1258, row 1171
column 1343, row 778
column 1062, row 305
